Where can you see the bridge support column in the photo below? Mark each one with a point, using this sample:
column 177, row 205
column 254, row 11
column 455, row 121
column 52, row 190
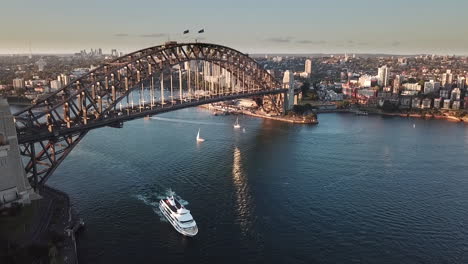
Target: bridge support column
column 288, row 83
column 14, row 185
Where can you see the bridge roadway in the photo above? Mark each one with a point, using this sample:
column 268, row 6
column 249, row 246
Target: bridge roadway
column 116, row 117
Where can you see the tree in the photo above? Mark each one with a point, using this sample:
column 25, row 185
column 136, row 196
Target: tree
column 343, row 104
column 305, row 88
column 389, row 106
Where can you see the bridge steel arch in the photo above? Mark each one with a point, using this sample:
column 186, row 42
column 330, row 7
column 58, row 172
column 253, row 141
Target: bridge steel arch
column 53, row 126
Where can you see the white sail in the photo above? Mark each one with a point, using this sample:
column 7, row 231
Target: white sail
column 237, row 125
column 199, row 139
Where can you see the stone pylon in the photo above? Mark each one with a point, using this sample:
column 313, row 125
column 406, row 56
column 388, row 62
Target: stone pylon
column 14, row 185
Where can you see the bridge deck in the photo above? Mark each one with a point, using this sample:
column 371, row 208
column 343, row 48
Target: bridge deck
column 128, row 113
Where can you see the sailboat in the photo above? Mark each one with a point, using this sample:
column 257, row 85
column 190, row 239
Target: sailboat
column 199, row 139
column 237, row 125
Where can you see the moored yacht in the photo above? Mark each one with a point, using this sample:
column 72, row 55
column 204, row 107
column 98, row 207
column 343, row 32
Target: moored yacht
column 179, row 217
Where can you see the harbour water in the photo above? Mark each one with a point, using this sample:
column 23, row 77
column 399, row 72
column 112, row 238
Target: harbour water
column 352, row 189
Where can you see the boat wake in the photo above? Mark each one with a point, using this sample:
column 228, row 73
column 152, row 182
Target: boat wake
column 152, row 200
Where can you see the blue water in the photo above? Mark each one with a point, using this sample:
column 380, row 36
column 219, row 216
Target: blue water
column 353, row 189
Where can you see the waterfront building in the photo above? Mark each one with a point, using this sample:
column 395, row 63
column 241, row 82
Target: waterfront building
column 456, row 105
column 431, row 87
column 466, row 102
column 426, row 103
column 405, row 102
column 455, row 94
column 18, row 83
column 444, row 93
column 446, row 104
column 412, row 87
column 383, row 76
column 416, row 103
column 437, row 103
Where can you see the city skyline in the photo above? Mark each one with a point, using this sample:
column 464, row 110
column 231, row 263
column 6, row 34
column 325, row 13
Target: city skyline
column 260, row 27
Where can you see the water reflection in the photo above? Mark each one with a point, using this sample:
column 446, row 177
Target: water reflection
column 243, row 198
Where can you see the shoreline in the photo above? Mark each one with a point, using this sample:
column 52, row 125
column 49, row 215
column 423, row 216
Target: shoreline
column 414, row 115
column 69, row 219
column 282, row 119
column 276, row 118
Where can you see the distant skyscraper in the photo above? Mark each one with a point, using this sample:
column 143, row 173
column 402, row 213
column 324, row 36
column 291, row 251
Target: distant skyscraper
column 308, row 67
column 63, row 79
column 114, row 53
column 41, row 64
column 383, row 76
column 18, row 83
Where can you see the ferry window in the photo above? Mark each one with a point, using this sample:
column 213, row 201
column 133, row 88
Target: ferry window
column 185, row 222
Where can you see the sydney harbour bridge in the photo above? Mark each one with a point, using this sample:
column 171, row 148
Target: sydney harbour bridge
column 143, row 83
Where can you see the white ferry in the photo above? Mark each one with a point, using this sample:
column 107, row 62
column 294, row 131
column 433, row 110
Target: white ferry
column 179, row 217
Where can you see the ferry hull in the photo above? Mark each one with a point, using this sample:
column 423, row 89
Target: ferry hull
column 189, row 232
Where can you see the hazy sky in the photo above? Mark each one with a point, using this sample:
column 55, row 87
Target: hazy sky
column 254, row 26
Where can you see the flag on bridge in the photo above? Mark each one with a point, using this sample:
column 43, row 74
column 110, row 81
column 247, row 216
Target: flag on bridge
column 201, row 30
column 186, row 31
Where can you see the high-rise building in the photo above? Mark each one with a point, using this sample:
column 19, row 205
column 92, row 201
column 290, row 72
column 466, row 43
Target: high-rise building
column 55, row 85
column 114, row 53
column 461, row 83
column 431, row 87
column 383, row 76
column 308, row 67
column 397, row 84
column 18, row 83
column 447, row 78
column 288, row 83
column 63, row 79
column 456, row 94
